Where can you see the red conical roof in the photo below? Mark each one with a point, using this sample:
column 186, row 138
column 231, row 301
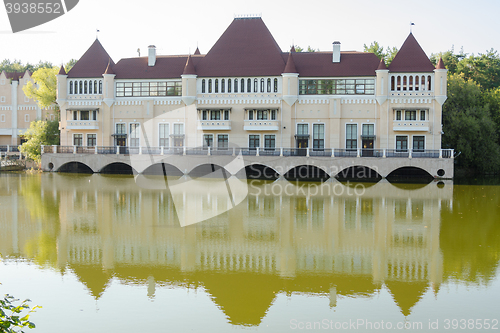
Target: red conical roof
column 292, row 49
column 440, row 64
column 109, row 70
column 411, row 58
column 381, row 65
column 93, row 63
column 189, row 68
column 62, row 71
column 197, row 51
column 290, row 65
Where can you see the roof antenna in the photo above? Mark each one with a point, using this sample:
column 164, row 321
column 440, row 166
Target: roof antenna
column 139, row 51
column 411, row 24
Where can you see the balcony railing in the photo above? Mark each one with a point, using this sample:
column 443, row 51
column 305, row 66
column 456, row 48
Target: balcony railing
column 261, row 125
column 257, row 151
column 9, row 149
column 82, row 124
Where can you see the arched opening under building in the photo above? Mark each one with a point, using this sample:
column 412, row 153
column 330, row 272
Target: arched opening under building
column 306, row 173
column 409, row 175
column 75, row 167
column 358, row 173
column 258, row 171
column 162, row 169
column 117, row 169
column 209, row 171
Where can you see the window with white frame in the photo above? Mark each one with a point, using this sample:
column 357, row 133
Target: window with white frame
column 2, row 118
column 178, row 129
column 402, row 143
column 27, row 118
column 222, row 141
column 164, row 135
column 418, row 143
column 120, row 129
column 422, row 115
column 77, row 139
column 208, row 140
column 318, row 136
column 253, row 141
column 134, row 135
column 91, row 140
column 2, row 99
column 26, row 99
column 269, row 141
column 368, row 130
column 351, row 137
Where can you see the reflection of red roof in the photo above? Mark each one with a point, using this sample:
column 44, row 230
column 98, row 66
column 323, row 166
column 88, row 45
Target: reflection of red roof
column 411, row 58
column 93, row 63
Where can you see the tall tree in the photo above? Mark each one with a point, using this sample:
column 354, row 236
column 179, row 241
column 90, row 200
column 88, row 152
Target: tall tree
column 44, row 87
column 40, row 133
column 388, row 55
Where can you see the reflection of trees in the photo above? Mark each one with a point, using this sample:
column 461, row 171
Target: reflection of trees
column 470, row 234
column 44, row 209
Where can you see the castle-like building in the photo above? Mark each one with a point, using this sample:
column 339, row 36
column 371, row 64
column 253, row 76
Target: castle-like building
column 246, row 91
column 17, row 110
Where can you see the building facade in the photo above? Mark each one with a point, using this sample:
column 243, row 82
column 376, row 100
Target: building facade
column 246, row 91
column 17, row 111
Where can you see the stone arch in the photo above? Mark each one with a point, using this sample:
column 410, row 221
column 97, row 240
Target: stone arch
column 306, row 172
column 258, row 171
column 409, row 174
column 358, row 173
column 118, row 168
column 205, row 169
column 75, row 167
column 162, row 169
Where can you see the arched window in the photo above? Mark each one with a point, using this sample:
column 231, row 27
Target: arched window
column 242, row 85
column 399, row 83
column 203, row 86
column 268, row 85
column 429, row 83
column 210, row 86
column 422, row 82
column 393, row 83
column 235, row 85
column 70, row 87
column 95, row 87
column 229, row 85
column 222, row 86
column 255, row 85
column 100, row 86
column 90, row 87
column 410, row 83
column 261, row 85
column 249, row 85
column 216, row 86
column 85, row 88
column 416, row 84
column 80, row 88
column 275, row 85
column 404, row 82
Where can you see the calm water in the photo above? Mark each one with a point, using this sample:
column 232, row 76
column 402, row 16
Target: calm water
column 101, row 254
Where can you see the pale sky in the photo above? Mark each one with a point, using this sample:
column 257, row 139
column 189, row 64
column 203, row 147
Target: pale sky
column 177, row 27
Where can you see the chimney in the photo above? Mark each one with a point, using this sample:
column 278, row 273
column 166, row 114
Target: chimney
column 336, row 51
column 151, row 55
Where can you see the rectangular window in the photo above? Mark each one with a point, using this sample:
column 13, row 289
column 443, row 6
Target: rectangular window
column 2, row 99
column 422, row 115
column 91, row 140
column 120, row 129
column 2, row 118
column 178, row 129
column 134, row 135
column 273, row 114
column 262, row 115
column 208, row 140
column 26, row 99
column 253, row 141
column 84, row 115
column 93, row 115
column 226, row 114
column 368, row 130
column 302, row 129
column 398, row 114
column 269, row 141
column 222, row 141
column 164, row 135
column 27, row 118
column 410, row 115
column 77, row 139
column 75, row 115
column 318, row 136
column 401, row 143
column 250, row 115
column 215, row 115
column 351, row 136
column 145, row 89
column 204, row 115
column 418, row 143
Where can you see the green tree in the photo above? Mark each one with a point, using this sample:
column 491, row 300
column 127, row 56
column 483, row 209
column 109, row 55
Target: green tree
column 69, row 65
column 388, row 55
column 468, row 127
column 43, row 90
column 309, row 49
column 40, row 133
column 12, row 317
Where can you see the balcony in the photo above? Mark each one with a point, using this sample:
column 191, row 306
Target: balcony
column 261, row 125
column 214, row 125
column 82, row 124
column 410, row 125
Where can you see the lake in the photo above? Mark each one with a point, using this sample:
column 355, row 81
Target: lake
column 105, row 253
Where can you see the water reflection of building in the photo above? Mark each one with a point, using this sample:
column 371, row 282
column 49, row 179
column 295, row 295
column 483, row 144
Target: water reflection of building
column 335, row 245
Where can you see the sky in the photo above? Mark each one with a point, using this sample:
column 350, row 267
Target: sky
column 178, row 27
